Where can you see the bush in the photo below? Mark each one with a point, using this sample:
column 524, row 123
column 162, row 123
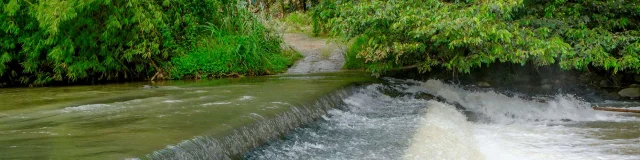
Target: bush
column 460, row 35
column 298, row 22
column 71, row 41
column 352, row 61
column 241, row 45
column 74, row 40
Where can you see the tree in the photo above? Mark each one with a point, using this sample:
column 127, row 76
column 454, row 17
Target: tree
column 457, row 35
column 92, row 40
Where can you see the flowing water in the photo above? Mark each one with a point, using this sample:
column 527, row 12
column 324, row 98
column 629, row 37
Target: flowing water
column 318, row 116
column 399, row 120
column 214, row 119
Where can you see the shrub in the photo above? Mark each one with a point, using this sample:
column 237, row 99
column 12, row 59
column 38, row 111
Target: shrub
column 460, row 35
column 241, row 45
column 74, row 40
column 70, row 41
column 352, row 61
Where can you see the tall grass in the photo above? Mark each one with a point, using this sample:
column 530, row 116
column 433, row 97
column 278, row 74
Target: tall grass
column 298, row 22
column 352, row 61
column 238, row 44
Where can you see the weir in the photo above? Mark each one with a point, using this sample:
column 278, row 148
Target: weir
column 241, row 139
column 216, row 119
column 320, row 116
column 395, row 120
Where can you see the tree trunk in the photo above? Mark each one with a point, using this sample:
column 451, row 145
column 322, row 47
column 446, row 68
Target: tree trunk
column 303, row 4
column 284, row 11
column 616, row 109
column 159, row 71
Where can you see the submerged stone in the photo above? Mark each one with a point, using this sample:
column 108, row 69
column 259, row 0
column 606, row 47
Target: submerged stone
column 424, row 96
column 484, row 84
column 149, row 87
column 630, row 92
column 605, row 83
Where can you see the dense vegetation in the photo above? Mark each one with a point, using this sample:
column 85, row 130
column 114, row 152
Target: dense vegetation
column 66, row 41
column 461, row 35
column 238, row 44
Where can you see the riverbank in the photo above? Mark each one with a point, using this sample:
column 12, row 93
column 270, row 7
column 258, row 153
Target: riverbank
column 134, row 41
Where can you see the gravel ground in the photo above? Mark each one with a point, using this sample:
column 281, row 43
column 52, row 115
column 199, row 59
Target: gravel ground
column 319, row 54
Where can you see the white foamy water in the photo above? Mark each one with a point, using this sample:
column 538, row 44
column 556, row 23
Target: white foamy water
column 245, row 98
column 444, row 133
column 85, row 108
column 539, row 142
column 370, row 126
column 535, row 130
column 216, row 103
column 504, row 109
column 470, row 125
column 172, row 101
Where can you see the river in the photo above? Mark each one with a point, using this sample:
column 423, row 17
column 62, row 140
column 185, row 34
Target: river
column 344, row 115
column 393, row 120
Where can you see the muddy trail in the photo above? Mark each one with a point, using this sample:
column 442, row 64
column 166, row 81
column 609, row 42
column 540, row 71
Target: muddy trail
column 320, row 55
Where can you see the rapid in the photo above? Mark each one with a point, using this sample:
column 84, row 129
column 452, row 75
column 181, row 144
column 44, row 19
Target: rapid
column 407, row 119
column 341, row 116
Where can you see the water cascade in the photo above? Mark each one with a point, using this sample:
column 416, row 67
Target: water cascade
column 406, row 119
column 247, row 137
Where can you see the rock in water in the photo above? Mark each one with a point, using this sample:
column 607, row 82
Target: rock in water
column 630, row 92
column 484, row 84
column 149, row 87
column 604, row 83
column 424, row 96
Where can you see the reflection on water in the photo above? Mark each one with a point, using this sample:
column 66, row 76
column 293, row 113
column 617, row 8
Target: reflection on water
column 125, row 121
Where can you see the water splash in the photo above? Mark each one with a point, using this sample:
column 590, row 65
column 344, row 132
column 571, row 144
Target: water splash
column 369, row 125
column 500, row 108
column 245, row 138
column 444, row 133
column 392, row 121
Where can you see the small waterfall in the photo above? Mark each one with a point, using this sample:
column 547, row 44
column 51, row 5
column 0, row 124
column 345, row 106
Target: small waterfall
column 513, row 127
column 407, row 119
column 445, row 133
column 503, row 109
column 373, row 123
column 248, row 137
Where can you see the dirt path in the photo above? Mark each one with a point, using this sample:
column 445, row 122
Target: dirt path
column 319, row 55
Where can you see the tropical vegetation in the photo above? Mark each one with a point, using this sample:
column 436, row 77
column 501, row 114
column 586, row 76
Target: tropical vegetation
column 73, row 41
column 86, row 41
column 459, row 35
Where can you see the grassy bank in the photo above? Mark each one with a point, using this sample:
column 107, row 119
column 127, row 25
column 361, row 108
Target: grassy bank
column 237, row 45
column 71, row 42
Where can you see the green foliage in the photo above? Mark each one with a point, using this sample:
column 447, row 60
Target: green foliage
column 88, row 40
column 321, row 14
column 66, row 41
column 460, row 35
column 234, row 46
column 352, row 61
column 297, row 22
